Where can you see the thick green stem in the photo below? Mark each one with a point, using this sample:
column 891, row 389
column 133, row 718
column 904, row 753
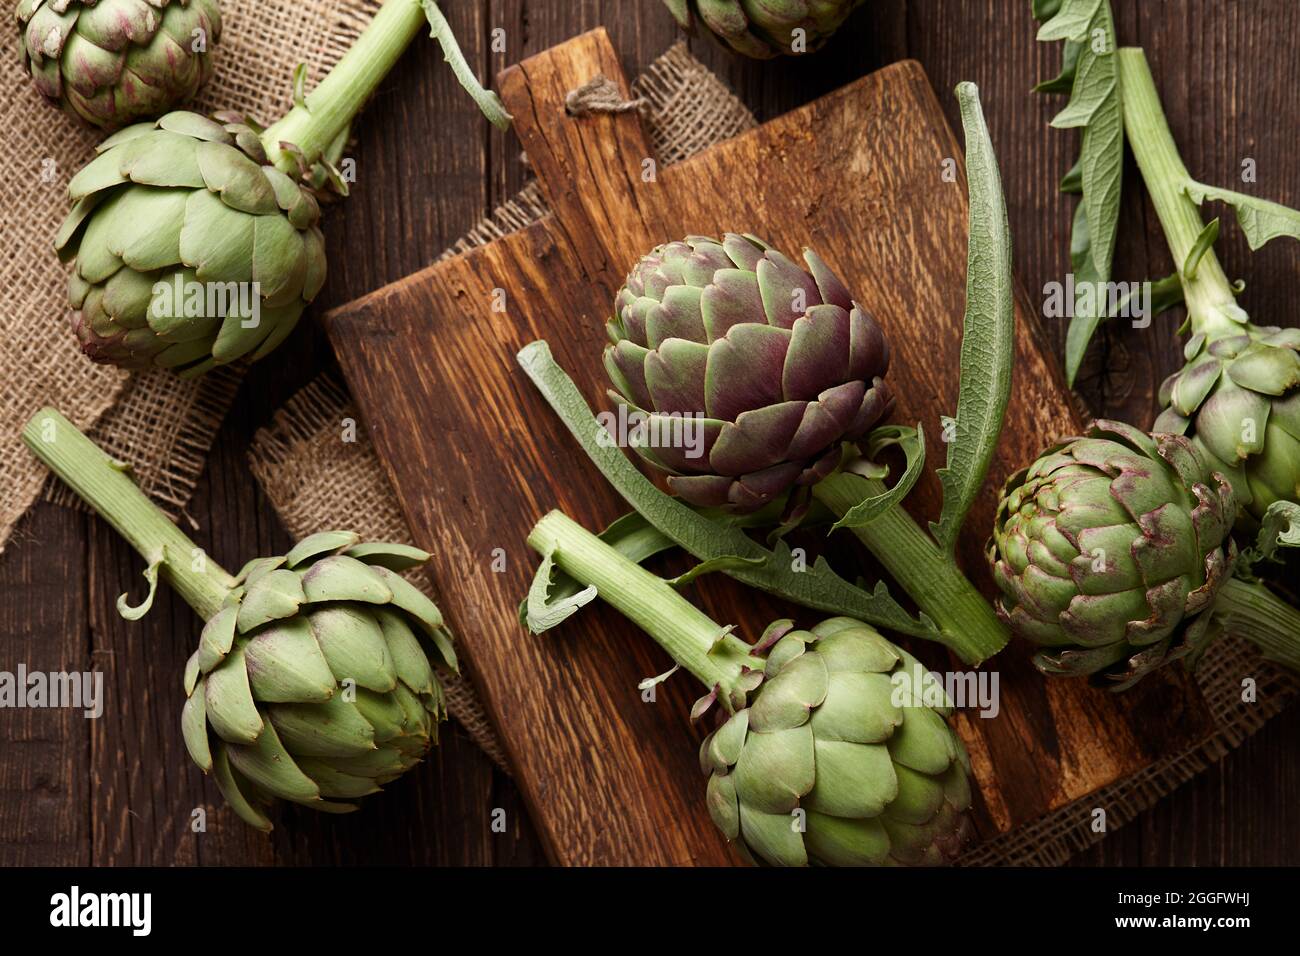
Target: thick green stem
column 1208, row 293
column 968, row 625
column 687, row 633
column 1257, row 614
column 104, row 485
column 328, row 109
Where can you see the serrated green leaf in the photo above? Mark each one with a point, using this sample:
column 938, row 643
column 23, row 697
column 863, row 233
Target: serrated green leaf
column 912, row 442
column 1071, row 22
column 988, row 335
column 1063, row 82
column 1096, row 105
column 545, row 612
column 1260, row 219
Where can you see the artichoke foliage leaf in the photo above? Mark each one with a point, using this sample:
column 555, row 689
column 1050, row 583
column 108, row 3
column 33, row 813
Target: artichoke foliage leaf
column 818, row 587
column 988, row 334
column 1260, row 219
column 912, row 443
column 1090, row 75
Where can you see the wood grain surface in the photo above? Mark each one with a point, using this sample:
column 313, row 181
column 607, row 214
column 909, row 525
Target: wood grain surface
column 120, row 790
column 476, row 457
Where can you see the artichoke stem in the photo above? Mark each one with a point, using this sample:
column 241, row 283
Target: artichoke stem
column 1209, row 291
column 328, row 109
column 968, row 625
column 104, row 485
column 688, row 634
column 1255, row 613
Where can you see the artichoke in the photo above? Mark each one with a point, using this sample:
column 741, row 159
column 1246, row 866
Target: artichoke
column 314, row 678
column 839, row 760
column 191, row 250
column 1110, row 549
column 777, row 364
column 766, row 28
column 113, row 62
column 1238, row 400
column 313, row 682
column 196, row 241
column 835, row 748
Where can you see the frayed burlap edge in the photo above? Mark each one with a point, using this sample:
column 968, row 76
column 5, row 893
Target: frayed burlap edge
column 687, row 109
column 163, row 426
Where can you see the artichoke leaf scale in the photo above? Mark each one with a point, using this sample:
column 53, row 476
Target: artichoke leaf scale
column 775, row 770
column 857, row 709
column 923, row 741
column 273, row 596
column 285, row 664
column 334, row 728
column 789, row 697
column 787, row 290
column 341, row 578
column 234, row 177
column 772, row 836
column 239, row 793
column 216, row 241
column 840, row 841
column 853, row 780
column 270, row 767
column 745, row 370
column 819, row 353
column 194, row 727
column 354, row 645
column 161, row 159
column 231, row 709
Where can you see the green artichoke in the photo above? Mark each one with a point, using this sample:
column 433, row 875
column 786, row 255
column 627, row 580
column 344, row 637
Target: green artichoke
column 113, row 62
column 313, row 683
column 1110, row 549
column 840, row 759
column 766, row 28
column 313, row 680
column 1238, row 400
column 778, row 366
column 190, row 249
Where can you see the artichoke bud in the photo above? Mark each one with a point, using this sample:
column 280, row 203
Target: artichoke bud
column 111, row 63
column 747, row 371
column 844, row 756
column 189, row 249
column 764, row 30
column 1110, row 550
column 315, row 681
column 1238, row 400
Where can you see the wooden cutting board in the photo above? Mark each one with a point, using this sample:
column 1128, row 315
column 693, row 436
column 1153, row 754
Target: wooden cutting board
column 477, row 457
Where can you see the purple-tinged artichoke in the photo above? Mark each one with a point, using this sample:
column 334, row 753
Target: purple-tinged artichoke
column 1110, row 550
column 766, row 28
column 781, row 363
column 114, row 62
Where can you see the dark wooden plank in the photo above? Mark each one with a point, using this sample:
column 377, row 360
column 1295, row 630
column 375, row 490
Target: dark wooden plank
column 44, row 819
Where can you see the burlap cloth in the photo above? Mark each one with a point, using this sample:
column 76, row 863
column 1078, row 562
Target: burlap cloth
column 162, row 425
column 315, row 481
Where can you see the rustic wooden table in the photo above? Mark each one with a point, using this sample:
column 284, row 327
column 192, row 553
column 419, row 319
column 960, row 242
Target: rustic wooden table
column 119, row 790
